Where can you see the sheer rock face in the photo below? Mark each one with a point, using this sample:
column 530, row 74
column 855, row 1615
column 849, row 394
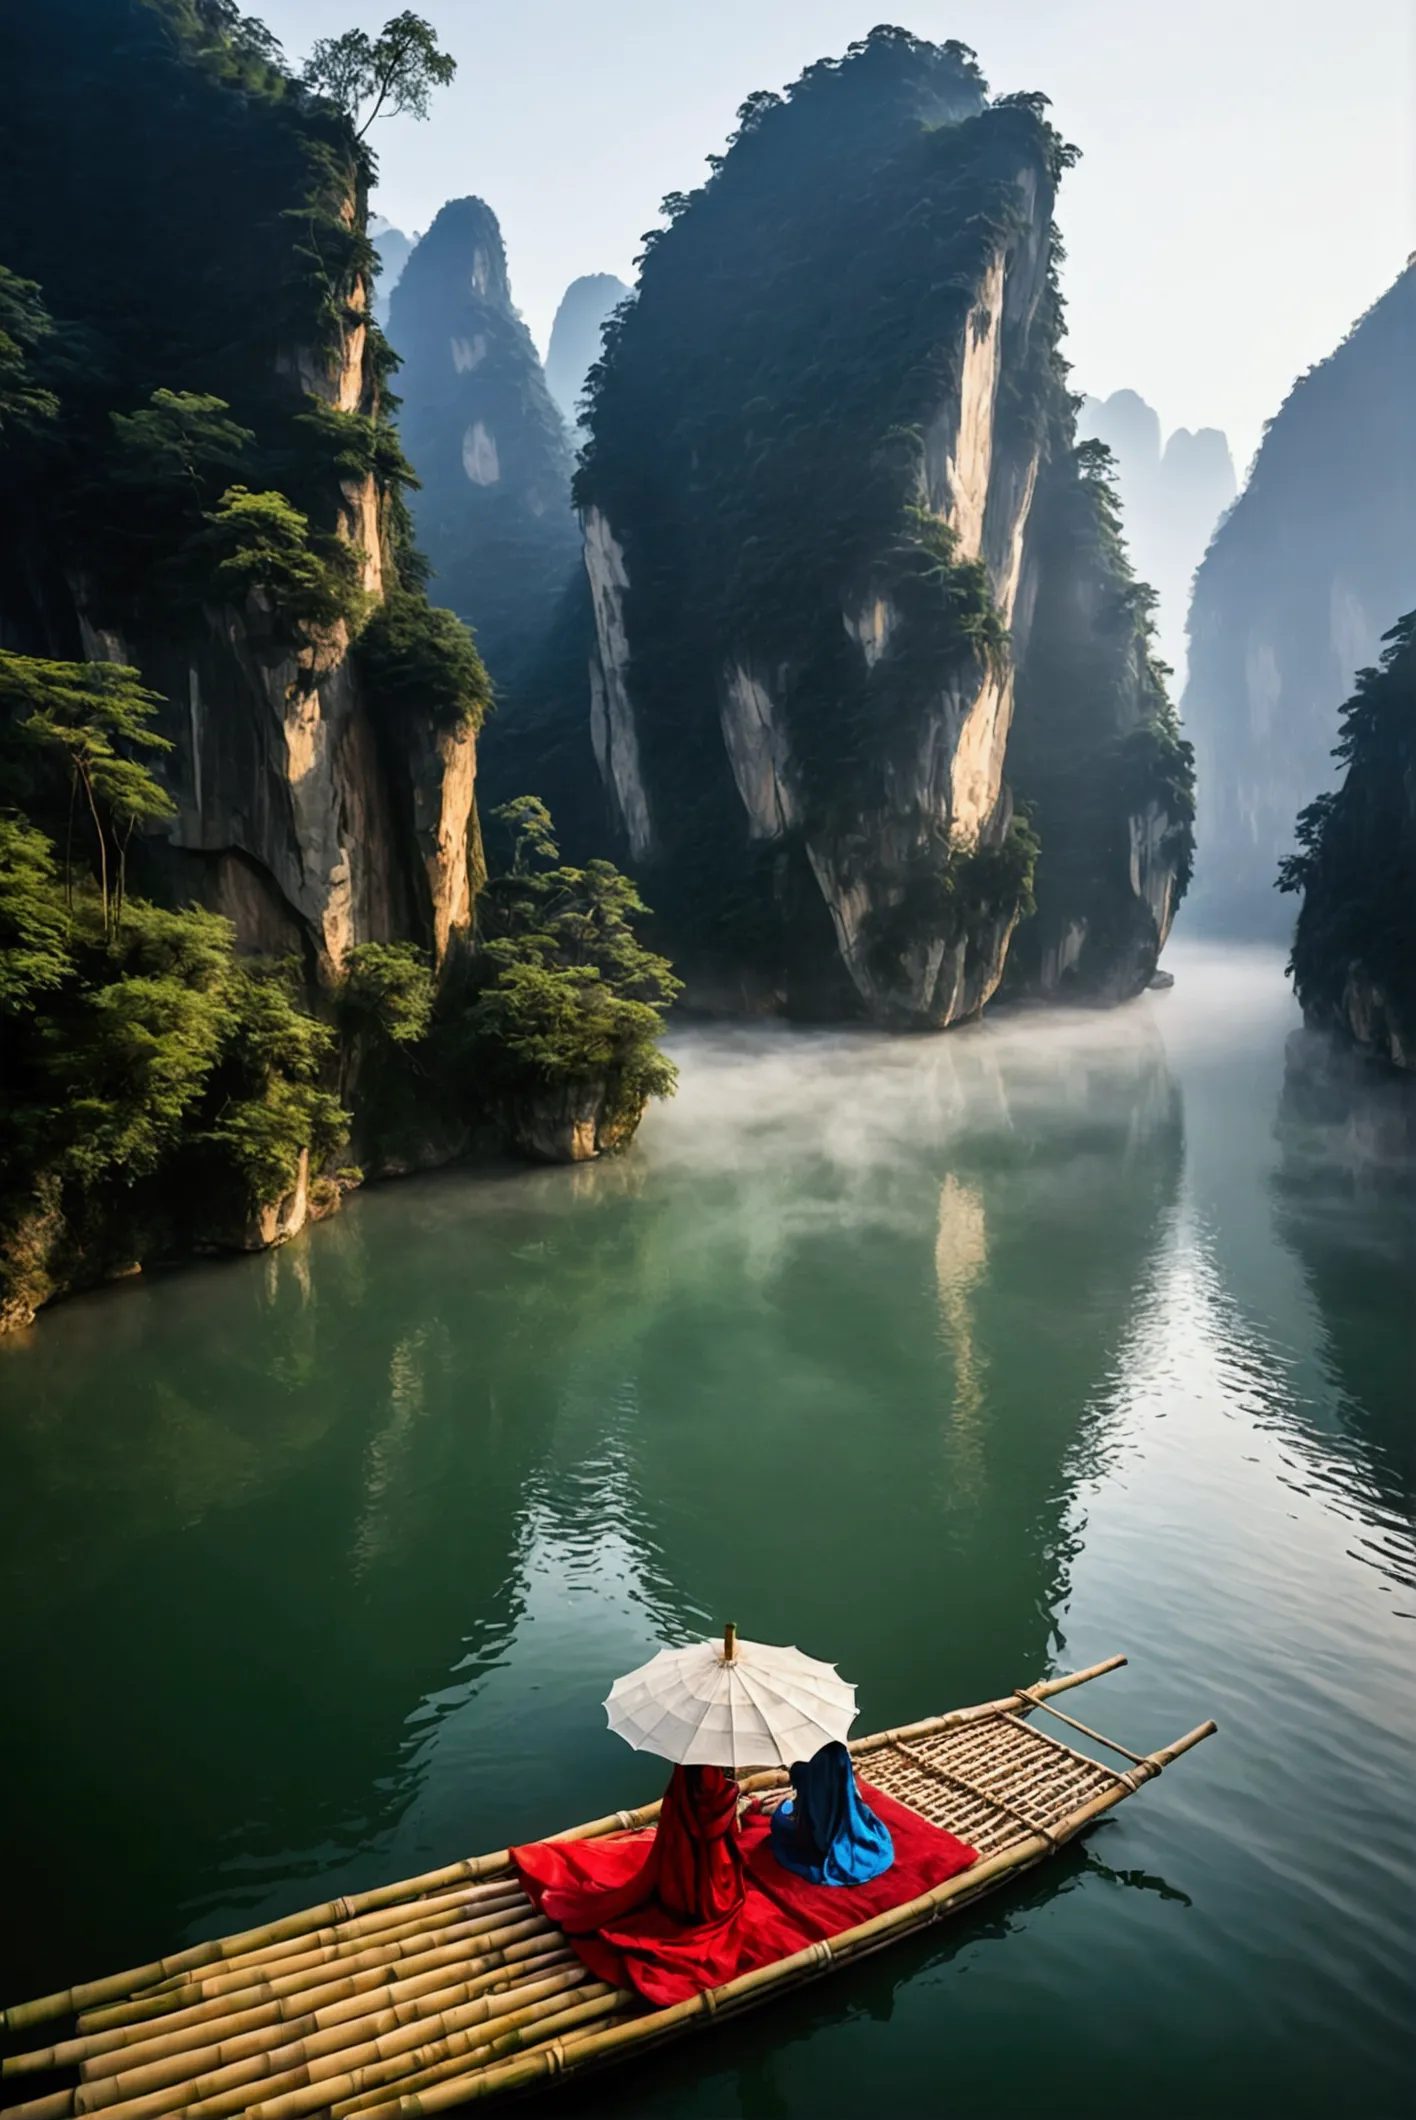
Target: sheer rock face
column 613, row 726
column 585, row 309
column 775, row 727
column 488, row 444
column 293, row 818
column 1303, row 576
column 944, row 781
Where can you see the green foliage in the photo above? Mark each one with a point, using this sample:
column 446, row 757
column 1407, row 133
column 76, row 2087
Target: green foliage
column 93, row 717
column 396, row 71
column 34, row 926
column 180, row 437
column 952, row 891
column 261, row 541
column 353, row 445
column 769, row 461
column 139, row 405
column 232, row 45
column 417, row 659
column 1096, row 750
column 136, row 1045
column 134, row 1040
column 24, row 326
column 574, row 999
column 388, row 986
column 266, row 1103
column 1356, row 861
column 138, row 1041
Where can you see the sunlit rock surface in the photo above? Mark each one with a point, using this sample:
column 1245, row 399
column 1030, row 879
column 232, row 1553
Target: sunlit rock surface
column 809, row 493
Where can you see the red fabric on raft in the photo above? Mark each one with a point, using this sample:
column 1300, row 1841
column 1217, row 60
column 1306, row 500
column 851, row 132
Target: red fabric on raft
column 612, row 1896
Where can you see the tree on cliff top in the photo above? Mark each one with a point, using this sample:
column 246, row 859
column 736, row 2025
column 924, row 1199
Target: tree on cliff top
column 396, row 70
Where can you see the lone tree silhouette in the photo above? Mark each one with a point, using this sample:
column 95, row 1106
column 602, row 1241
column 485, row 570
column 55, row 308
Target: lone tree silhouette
column 394, row 72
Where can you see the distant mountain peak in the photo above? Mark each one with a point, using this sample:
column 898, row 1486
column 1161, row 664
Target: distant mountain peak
column 576, row 335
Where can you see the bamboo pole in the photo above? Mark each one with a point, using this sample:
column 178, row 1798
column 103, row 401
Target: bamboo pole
column 331, row 1963
column 501, row 2034
column 349, row 1997
column 380, row 2041
column 408, row 1951
column 206, row 2047
column 133, row 1985
column 385, row 1926
column 69, row 2002
column 545, row 2037
column 944, row 1899
column 1035, row 1700
column 339, row 1947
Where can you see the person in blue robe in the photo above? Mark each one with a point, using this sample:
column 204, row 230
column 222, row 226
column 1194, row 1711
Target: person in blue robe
column 825, row 1832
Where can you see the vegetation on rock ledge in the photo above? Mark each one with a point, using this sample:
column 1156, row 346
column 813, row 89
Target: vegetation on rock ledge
column 1354, row 949
column 574, row 1004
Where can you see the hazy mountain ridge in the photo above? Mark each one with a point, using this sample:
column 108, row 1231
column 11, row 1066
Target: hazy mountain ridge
column 489, row 446
column 1173, row 498
column 1303, row 577
column 577, row 335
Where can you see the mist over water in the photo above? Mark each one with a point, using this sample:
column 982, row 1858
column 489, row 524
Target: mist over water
column 953, row 1359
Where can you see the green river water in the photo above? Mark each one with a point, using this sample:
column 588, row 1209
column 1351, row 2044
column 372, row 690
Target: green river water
column 954, row 1360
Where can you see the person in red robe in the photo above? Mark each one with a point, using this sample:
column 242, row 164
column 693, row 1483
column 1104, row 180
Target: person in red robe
column 693, row 1868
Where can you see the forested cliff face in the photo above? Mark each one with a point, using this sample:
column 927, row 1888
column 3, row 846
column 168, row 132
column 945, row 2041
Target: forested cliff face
column 1095, row 750
column 1354, row 951
column 817, row 442
column 490, row 448
column 129, row 158
column 239, row 845
column 1292, row 599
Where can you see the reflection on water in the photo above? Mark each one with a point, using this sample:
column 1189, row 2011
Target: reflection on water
column 1345, row 1204
column 948, row 1358
column 960, row 1256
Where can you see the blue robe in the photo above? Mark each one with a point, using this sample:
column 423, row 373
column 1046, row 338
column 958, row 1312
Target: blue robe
column 826, row 1833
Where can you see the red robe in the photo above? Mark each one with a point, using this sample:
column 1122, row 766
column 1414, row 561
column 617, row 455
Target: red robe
column 695, row 1903
column 692, row 1870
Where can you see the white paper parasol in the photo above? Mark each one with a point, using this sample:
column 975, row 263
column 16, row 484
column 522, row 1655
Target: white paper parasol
column 731, row 1704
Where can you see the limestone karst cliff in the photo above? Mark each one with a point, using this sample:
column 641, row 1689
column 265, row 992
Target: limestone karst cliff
column 481, row 430
column 1173, row 498
column 295, row 814
column 1354, row 949
column 239, row 840
column 1291, row 601
column 576, row 334
column 816, row 443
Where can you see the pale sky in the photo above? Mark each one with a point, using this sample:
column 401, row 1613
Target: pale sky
column 1247, row 187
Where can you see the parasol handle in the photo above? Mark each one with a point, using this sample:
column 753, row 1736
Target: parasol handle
column 730, row 1641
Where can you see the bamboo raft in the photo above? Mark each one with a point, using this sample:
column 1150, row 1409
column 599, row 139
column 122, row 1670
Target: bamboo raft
column 449, row 1987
